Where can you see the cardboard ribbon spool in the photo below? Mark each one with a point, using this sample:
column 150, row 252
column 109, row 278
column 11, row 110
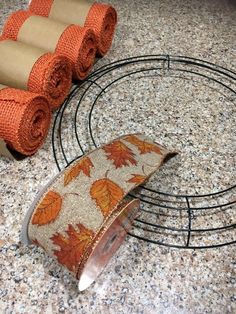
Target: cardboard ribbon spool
column 83, row 214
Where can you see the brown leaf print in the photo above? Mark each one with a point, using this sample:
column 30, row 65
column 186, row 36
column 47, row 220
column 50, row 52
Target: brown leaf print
column 84, row 165
column 137, row 179
column 143, row 146
column 120, row 154
column 48, row 210
column 72, row 246
column 107, row 195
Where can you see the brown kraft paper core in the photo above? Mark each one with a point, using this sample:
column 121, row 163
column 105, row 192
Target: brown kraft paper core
column 17, row 61
column 4, row 151
column 70, row 11
column 2, row 86
column 41, row 32
column 7, row 152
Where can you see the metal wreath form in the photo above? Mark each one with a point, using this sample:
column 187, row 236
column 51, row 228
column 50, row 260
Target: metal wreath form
column 159, row 203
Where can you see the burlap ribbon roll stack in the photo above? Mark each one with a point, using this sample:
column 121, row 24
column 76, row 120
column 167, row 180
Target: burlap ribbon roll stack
column 102, row 18
column 24, row 120
column 29, row 68
column 77, row 43
column 40, row 55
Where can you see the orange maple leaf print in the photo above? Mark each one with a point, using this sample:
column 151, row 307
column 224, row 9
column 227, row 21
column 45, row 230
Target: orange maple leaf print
column 143, row 146
column 84, row 165
column 120, row 154
column 107, row 195
column 48, row 210
column 137, row 179
column 72, row 246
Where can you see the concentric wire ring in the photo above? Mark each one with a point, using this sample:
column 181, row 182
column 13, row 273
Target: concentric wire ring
column 155, row 204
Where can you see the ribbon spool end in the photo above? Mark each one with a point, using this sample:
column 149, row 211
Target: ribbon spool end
column 110, row 239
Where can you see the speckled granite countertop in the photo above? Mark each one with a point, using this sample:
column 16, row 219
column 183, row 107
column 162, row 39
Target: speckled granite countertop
column 142, row 278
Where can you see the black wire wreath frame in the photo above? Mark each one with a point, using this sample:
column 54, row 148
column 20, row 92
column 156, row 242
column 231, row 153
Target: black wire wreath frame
column 154, row 198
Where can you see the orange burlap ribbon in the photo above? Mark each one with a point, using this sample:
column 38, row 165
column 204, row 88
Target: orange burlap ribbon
column 49, row 76
column 77, row 43
column 102, row 18
column 24, row 120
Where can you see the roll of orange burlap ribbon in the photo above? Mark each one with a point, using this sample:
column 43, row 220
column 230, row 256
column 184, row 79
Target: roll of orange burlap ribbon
column 82, row 216
column 24, row 120
column 100, row 17
column 30, row 68
column 77, row 43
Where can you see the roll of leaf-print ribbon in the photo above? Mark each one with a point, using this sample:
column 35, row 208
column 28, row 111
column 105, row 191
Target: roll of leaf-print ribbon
column 82, row 216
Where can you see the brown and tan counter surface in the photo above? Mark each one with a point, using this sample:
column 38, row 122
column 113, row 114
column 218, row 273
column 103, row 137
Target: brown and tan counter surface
column 143, row 278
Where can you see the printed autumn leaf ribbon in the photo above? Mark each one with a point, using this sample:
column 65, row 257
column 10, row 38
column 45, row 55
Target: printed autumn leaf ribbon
column 120, row 154
column 72, row 246
column 137, row 179
column 143, row 146
column 106, row 194
column 48, row 209
column 83, row 165
column 105, row 184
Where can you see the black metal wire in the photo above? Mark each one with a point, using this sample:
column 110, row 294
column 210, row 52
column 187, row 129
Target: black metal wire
column 158, row 201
